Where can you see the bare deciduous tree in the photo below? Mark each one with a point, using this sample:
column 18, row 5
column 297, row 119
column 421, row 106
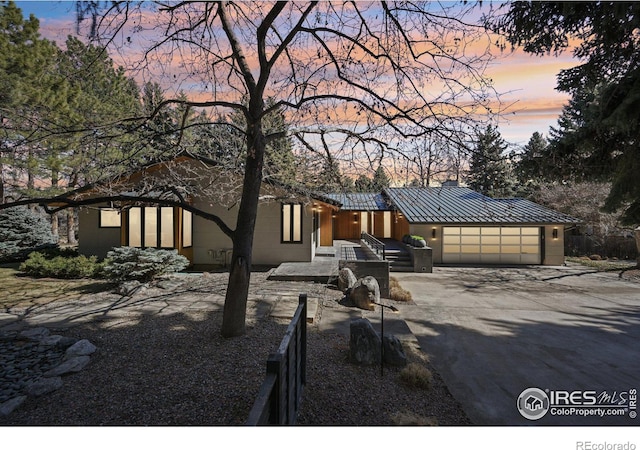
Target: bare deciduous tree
column 356, row 80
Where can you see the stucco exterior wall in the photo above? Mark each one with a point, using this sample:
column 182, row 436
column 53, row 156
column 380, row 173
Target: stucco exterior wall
column 210, row 243
column 426, row 231
column 93, row 240
column 553, row 248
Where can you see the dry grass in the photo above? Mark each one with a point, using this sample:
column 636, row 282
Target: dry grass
column 416, row 376
column 397, row 292
column 23, row 291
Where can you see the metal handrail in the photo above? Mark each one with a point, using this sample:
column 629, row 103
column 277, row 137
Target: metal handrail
column 375, row 244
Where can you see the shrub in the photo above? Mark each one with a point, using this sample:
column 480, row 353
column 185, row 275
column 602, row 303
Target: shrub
column 132, row 263
column 417, row 376
column 397, row 292
column 21, row 232
column 39, row 265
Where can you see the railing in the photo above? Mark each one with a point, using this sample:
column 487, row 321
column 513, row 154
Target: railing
column 376, row 246
column 280, row 395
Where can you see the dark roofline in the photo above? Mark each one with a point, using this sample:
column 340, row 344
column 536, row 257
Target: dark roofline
column 186, row 154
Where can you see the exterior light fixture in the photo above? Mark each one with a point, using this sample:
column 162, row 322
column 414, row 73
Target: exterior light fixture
column 433, row 233
column 555, row 233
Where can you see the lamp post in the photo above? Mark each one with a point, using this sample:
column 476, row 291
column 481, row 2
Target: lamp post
column 382, row 307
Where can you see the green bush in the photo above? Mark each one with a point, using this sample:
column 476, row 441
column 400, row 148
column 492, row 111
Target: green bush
column 132, row 263
column 21, row 232
column 39, row 265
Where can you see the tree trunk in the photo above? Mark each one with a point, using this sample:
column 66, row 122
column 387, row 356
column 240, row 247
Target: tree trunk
column 54, row 225
column 54, row 216
column 235, row 304
column 71, row 226
column 637, row 235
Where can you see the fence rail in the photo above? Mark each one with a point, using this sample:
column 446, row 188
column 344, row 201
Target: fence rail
column 280, row 395
column 610, row 246
column 379, row 248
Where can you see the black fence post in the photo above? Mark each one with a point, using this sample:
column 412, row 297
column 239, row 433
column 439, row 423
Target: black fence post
column 302, row 300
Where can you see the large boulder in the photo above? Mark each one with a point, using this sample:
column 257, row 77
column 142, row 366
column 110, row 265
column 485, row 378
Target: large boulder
column 346, row 279
column 364, row 343
column 394, row 354
column 365, row 293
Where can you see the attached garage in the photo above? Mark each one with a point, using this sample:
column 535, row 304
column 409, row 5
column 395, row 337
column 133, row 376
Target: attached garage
column 465, row 227
column 491, row 245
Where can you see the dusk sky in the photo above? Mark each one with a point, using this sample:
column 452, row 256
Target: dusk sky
column 527, row 83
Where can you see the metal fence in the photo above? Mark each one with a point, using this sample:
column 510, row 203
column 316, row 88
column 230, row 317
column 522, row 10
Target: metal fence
column 620, row 247
column 280, row 395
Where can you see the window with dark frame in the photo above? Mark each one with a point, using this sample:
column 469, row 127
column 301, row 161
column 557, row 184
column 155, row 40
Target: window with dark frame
column 291, row 223
column 151, row 227
column 187, row 229
column 109, row 218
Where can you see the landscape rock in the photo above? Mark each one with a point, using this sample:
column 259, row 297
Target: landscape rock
column 81, row 348
column 35, row 334
column 364, row 343
column 346, row 279
column 7, row 407
column 74, row 364
column 394, row 354
column 44, row 386
column 365, row 293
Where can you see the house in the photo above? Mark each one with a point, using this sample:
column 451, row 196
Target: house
column 287, row 227
column 460, row 225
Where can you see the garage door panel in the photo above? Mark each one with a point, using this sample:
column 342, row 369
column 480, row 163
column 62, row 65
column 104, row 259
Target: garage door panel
column 491, row 245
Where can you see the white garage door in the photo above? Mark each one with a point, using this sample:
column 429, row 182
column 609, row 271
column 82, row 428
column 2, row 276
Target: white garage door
column 491, row 245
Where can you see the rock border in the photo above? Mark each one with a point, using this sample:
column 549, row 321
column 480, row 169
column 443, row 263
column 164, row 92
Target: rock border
column 33, row 361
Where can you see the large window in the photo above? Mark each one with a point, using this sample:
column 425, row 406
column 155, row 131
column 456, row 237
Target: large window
column 292, row 223
column 151, row 227
column 187, row 228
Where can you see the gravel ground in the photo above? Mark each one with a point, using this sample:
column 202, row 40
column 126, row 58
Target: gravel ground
column 175, row 369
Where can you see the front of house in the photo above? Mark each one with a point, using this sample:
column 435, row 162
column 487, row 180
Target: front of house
column 460, row 225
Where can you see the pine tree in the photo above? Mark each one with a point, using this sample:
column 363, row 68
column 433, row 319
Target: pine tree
column 489, row 173
column 380, row 180
column 22, row 231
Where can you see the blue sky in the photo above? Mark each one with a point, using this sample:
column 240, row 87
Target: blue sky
column 528, row 82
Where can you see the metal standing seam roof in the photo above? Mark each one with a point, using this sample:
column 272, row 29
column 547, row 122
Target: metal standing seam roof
column 452, row 205
column 361, row 201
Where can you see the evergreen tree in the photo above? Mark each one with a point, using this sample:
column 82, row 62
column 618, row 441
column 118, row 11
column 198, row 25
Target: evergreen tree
column 22, row 231
column 530, row 163
column 380, row 180
column 489, row 173
column 363, row 184
column 599, row 131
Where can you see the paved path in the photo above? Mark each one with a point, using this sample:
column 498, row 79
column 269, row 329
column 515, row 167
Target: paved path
column 491, row 333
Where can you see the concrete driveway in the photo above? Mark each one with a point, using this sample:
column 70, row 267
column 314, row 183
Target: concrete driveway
column 494, row 332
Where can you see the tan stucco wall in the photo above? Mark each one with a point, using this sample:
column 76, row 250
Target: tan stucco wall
column 93, row 240
column 554, row 248
column 267, row 246
column 425, row 230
